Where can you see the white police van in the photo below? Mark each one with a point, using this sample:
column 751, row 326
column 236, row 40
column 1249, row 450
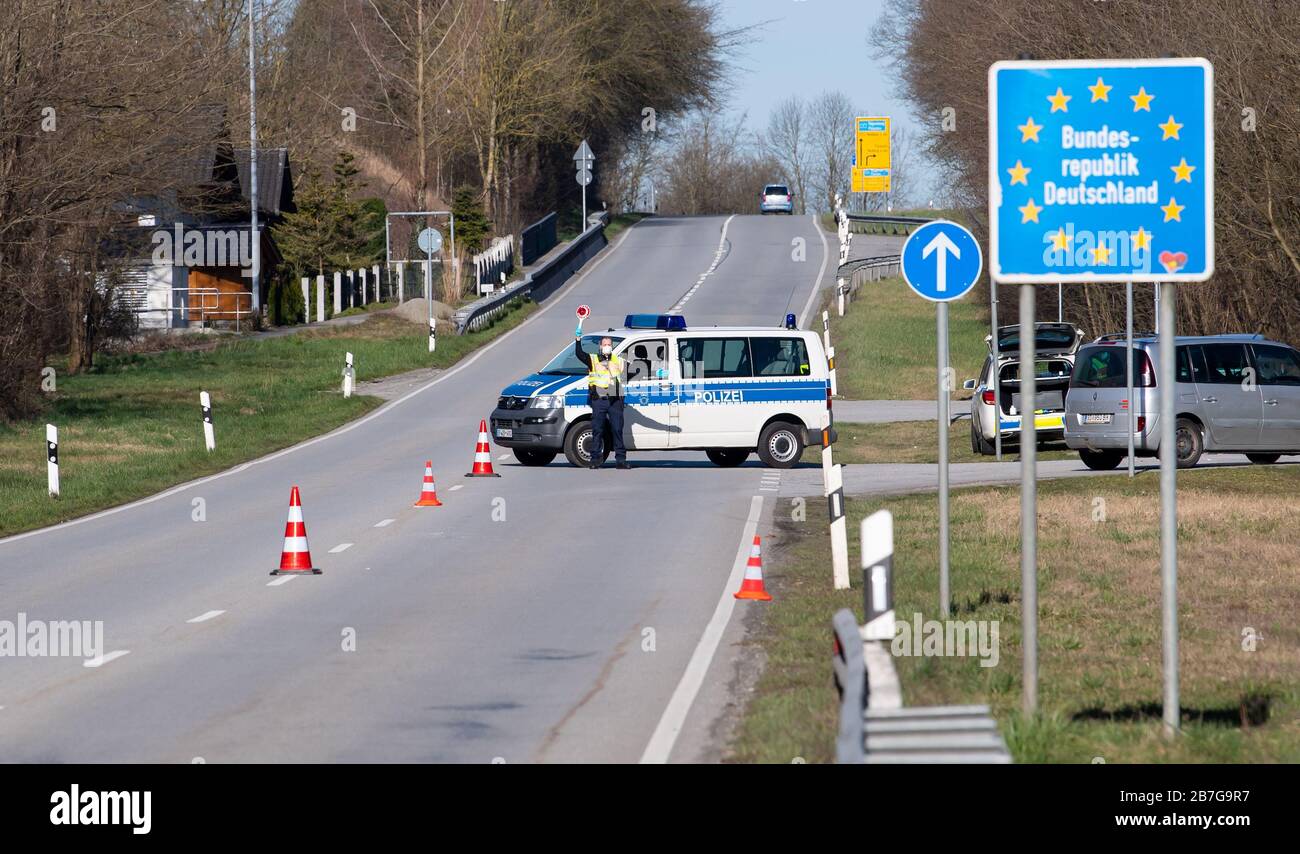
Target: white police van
column 727, row 391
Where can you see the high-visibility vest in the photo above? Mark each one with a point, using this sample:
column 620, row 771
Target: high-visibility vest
column 602, row 376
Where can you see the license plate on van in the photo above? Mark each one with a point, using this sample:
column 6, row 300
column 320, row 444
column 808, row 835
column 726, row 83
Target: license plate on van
column 1097, row 419
column 509, row 432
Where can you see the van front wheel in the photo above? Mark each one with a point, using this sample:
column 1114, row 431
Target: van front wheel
column 577, row 446
column 780, row 445
column 727, row 457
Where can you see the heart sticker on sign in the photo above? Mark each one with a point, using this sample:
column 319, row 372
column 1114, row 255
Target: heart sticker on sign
column 1172, row 261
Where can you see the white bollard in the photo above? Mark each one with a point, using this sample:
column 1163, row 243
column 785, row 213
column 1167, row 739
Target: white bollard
column 826, row 331
column 433, row 334
column 306, row 299
column 877, row 547
column 338, row 293
column 839, row 289
column 52, row 457
column 209, row 438
column 830, row 361
column 347, row 375
column 320, row 298
column 839, row 529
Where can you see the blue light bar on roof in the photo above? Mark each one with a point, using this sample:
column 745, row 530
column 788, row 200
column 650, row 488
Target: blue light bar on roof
column 666, row 322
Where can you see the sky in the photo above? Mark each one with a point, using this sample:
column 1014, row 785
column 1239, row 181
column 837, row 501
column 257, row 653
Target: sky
column 807, row 47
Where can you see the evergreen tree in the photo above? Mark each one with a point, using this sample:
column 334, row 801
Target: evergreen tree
column 472, row 224
column 305, row 237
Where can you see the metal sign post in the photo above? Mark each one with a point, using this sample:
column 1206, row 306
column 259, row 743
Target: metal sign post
column 941, row 261
column 1109, row 164
column 584, row 160
column 997, row 370
column 1128, row 372
column 430, row 240
column 1028, row 500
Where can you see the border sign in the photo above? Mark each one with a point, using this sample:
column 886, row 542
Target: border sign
column 1101, row 171
column 872, row 169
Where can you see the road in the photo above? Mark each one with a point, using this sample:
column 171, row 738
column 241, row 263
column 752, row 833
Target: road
column 514, row 623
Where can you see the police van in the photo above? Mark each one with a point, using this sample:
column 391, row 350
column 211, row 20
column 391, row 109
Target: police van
column 727, row 391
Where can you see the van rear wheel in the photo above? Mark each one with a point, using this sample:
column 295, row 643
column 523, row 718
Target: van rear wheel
column 1189, row 442
column 780, row 445
column 727, row 457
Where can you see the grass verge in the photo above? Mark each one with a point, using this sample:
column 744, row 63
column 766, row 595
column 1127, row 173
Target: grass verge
column 1099, row 629
column 132, row 427
column 916, row 442
column 885, row 344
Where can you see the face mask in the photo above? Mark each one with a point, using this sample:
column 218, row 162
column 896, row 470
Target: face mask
column 605, row 351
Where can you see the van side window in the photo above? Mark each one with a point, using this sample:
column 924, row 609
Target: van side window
column 780, row 357
column 707, row 358
column 645, row 359
column 1277, row 365
column 1225, row 363
column 1191, row 364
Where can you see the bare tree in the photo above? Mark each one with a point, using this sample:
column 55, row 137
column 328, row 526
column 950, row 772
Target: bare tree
column 787, row 141
column 831, row 126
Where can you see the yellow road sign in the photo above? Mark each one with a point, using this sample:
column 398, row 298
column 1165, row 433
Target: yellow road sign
column 871, row 166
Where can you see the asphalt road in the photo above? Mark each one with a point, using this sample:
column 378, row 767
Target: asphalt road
column 546, row 615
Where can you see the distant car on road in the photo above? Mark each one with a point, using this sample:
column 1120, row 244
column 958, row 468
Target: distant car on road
column 1235, row 393
column 776, row 198
column 1054, row 347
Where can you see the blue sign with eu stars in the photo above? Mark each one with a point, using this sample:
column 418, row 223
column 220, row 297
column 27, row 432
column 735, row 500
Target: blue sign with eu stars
column 1101, row 171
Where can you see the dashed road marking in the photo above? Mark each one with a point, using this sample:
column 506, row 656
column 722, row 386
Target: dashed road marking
column 717, row 259
column 457, row 486
column 283, row 579
column 384, row 523
column 341, row 547
column 100, row 661
column 501, row 457
column 204, row 617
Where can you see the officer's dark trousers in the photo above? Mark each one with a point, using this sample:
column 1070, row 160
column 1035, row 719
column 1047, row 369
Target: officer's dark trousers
column 607, row 414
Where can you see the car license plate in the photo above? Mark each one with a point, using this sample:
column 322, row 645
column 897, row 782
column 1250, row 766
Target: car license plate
column 1097, row 419
column 505, row 433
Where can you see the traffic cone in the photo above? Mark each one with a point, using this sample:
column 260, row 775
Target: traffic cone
column 429, row 492
column 296, row 555
column 482, row 455
column 752, row 586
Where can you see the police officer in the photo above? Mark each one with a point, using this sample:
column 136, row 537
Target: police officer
column 605, row 383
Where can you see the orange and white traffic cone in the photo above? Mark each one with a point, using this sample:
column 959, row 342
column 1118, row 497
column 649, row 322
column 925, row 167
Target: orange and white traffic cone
column 752, row 586
column 429, row 492
column 296, row 555
column 482, row 455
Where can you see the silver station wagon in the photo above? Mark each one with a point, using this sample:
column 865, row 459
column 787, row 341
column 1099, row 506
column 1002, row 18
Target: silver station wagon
column 1235, row 394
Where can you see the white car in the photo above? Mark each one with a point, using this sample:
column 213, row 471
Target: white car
column 728, row 391
column 1054, row 347
column 776, row 198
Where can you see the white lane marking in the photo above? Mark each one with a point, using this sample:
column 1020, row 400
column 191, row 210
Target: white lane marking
column 457, row 486
column 346, row 428
column 341, row 547
column 717, row 259
column 670, row 725
column 501, row 457
column 384, row 523
column 817, row 283
column 100, row 661
column 204, row 617
column 283, row 579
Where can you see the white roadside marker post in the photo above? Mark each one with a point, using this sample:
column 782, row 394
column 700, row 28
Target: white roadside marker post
column 347, row 375
column 839, row 290
column 209, row 437
column 877, row 547
column 830, row 361
column 827, row 462
column 839, row 529
column 52, row 456
column 826, row 330
column 320, row 297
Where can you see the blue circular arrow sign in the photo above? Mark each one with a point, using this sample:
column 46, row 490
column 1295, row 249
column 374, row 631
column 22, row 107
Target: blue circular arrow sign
column 942, row 261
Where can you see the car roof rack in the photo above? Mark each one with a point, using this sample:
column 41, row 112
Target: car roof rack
column 1120, row 336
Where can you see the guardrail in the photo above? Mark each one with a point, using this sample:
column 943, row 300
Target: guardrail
column 888, row 223
column 539, row 283
column 538, row 239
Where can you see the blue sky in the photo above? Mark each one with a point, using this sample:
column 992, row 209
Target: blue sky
column 810, row 46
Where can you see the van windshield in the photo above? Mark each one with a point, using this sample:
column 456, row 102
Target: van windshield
column 567, row 364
